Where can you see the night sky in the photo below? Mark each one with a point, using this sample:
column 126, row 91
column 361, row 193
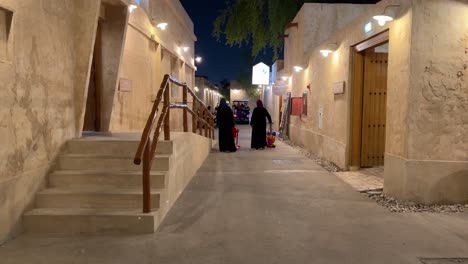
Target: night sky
column 220, row 61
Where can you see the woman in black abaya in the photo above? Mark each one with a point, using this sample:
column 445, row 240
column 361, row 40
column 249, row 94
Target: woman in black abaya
column 258, row 123
column 225, row 122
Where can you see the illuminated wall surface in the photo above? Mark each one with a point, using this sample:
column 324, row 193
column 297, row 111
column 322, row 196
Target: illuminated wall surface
column 426, row 134
column 46, row 52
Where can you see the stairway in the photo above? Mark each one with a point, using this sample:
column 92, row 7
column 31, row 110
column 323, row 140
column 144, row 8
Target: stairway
column 96, row 188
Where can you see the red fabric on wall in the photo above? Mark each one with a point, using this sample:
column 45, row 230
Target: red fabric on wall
column 296, row 103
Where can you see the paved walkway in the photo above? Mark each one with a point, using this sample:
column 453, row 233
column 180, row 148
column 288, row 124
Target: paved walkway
column 265, row 206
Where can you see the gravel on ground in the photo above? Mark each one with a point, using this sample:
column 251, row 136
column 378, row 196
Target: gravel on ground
column 397, row 206
column 326, row 164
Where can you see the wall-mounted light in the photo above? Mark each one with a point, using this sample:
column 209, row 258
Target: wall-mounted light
column 132, row 7
column 185, row 49
column 196, row 89
column 328, row 49
column 285, row 78
column 388, row 15
column 235, row 91
column 162, row 25
column 298, row 68
column 198, row 59
column 325, row 53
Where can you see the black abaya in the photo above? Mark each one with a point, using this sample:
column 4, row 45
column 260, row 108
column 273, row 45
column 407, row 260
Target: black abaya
column 258, row 123
column 225, row 120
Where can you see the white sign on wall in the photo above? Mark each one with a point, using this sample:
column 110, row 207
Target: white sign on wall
column 338, row 88
column 261, row 74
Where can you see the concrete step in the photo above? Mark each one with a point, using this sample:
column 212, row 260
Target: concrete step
column 118, row 179
column 112, row 147
column 90, row 162
column 94, row 197
column 90, row 221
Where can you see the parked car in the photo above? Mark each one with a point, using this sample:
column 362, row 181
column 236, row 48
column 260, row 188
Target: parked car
column 241, row 111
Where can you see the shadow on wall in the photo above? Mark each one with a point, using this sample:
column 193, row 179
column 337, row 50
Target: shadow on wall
column 451, row 189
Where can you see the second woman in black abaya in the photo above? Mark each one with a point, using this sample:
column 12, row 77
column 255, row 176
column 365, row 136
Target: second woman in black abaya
column 258, row 123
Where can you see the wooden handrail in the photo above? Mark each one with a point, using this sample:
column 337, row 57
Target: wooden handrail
column 161, row 117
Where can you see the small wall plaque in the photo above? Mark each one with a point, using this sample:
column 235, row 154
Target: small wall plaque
column 125, row 85
column 339, row 88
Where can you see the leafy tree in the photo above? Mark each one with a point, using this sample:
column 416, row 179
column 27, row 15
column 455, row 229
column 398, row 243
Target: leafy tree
column 225, row 89
column 255, row 23
column 258, row 23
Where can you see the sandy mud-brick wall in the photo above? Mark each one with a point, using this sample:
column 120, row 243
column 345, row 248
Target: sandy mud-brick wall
column 42, row 86
column 432, row 164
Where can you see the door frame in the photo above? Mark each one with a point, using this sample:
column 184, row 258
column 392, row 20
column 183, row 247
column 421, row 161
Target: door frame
column 357, row 86
column 96, row 66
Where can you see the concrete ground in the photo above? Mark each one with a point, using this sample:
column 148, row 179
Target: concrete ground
column 266, row 206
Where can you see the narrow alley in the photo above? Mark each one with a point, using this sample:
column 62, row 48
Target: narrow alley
column 264, row 206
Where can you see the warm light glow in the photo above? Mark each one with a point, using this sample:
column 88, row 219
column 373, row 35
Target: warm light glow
column 298, row 68
column 162, row 26
column 196, row 89
column 132, row 7
column 198, row 59
column 185, row 49
column 236, row 91
column 325, row 53
column 285, row 78
column 382, row 19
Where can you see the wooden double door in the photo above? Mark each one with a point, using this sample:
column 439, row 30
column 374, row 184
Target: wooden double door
column 374, row 107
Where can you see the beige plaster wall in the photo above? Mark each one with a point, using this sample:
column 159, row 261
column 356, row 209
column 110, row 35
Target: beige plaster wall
column 149, row 54
column 316, row 23
column 141, row 64
column 189, row 152
column 43, row 88
column 332, row 141
column 398, row 84
column 438, row 113
column 433, row 164
column 113, row 33
column 207, row 92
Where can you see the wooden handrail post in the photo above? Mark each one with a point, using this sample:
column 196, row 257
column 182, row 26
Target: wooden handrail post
column 200, row 123
column 184, row 101
column 212, row 128
column 206, row 121
column 194, row 117
column 167, row 128
column 146, row 178
column 209, row 128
